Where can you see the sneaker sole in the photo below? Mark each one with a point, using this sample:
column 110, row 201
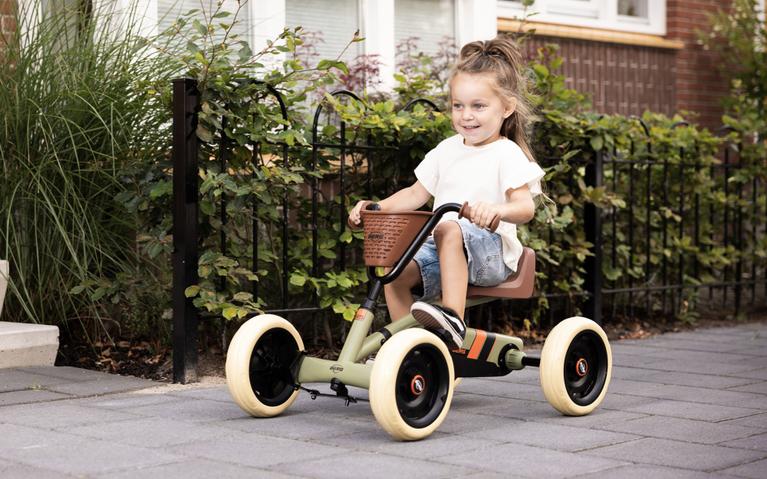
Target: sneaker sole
column 425, row 317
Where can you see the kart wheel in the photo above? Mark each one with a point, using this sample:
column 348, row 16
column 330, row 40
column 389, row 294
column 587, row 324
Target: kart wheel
column 576, row 364
column 411, row 385
column 258, row 365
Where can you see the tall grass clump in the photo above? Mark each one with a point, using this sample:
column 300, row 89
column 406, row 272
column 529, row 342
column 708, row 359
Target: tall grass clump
column 84, row 105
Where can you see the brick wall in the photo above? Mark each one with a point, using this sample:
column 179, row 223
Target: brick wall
column 622, row 79
column 698, row 85
column 7, row 21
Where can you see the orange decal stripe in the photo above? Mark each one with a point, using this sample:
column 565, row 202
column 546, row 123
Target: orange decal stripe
column 476, row 346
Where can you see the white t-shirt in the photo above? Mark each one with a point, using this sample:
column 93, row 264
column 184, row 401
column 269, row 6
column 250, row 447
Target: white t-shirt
column 453, row 173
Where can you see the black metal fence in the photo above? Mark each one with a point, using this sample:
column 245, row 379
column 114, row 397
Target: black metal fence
column 657, row 199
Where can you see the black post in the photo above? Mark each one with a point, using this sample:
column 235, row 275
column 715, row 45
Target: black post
column 185, row 207
column 593, row 223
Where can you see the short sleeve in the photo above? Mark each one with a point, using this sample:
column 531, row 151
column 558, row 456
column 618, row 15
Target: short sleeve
column 427, row 172
column 517, row 170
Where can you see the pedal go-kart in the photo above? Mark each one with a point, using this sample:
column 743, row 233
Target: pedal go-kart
column 411, row 380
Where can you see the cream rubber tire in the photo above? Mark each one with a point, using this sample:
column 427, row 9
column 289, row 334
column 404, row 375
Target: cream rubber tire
column 258, row 365
column 576, row 365
column 411, row 384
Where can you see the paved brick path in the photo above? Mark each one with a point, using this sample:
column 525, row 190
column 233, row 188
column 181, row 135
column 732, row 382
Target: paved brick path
column 690, row 404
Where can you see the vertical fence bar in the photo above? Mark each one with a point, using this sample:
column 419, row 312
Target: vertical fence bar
column 223, row 151
column 664, row 235
column 593, row 223
column 186, row 101
column 726, row 216
column 680, row 252
column 254, row 225
column 631, row 228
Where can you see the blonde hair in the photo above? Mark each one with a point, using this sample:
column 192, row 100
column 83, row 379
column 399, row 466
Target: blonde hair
column 501, row 58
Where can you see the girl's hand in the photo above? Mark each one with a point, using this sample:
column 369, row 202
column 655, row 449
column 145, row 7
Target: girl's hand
column 354, row 214
column 483, row 214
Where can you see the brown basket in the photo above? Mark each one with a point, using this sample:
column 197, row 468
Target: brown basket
column 387, row 235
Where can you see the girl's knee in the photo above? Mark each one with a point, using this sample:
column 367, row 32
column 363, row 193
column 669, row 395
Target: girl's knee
column 448, row 232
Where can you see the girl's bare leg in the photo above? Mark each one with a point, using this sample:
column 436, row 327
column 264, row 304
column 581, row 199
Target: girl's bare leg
column 398, row 295
column 453, row 267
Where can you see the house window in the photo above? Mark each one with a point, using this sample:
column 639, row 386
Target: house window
column 330, row 23
column 431, row 22
column 640, row 16
column 168, row 11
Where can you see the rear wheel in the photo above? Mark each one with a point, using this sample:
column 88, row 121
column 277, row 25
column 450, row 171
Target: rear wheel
column 411, row 384
column 258, row 365
column 576, row 365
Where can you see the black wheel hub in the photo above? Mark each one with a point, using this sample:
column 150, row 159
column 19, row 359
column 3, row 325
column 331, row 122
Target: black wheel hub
column 271, row 378
column 422, row 385
column 586, row 368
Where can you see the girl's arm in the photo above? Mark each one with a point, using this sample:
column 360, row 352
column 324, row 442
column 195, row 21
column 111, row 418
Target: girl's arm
column 519, row 208
column 406, row 199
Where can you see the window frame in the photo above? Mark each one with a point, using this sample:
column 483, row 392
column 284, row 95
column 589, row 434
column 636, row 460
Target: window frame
column 606, row 15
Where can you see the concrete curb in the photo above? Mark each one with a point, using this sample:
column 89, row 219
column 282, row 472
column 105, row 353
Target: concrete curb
column 3, row 283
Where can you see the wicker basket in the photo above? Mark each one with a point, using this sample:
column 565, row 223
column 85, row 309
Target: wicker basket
column 387, row 235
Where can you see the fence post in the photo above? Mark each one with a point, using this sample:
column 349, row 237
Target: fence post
column 185, row 209
column 593, row 224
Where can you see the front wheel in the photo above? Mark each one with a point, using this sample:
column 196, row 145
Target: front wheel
column 258, row 365
column 411, row 384
column 576, row 365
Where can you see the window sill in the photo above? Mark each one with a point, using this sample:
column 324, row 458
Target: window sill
column 592, row 34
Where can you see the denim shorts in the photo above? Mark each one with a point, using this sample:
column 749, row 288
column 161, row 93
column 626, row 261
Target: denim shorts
column 484, row 254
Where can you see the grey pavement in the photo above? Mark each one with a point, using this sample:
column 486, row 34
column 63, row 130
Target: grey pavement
column 691, row 404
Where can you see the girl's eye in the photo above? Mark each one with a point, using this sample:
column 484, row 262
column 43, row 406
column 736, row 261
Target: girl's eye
column 479, row 106
column 456, row 106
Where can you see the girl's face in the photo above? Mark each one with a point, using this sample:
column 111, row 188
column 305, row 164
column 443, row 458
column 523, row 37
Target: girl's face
column 477, row 110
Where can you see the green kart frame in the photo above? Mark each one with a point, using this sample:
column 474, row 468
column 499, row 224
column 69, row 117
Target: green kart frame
column 412, row 379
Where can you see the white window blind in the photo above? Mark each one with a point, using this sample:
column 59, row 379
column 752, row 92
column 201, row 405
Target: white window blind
column 170, row 10
column 335, row 21
column 431, row 21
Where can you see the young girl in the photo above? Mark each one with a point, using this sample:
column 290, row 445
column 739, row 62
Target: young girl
column 490, row 165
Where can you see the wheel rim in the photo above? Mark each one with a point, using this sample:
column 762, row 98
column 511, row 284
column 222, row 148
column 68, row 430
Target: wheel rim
column 270, row 375
column 422, row 386
column 585, row 368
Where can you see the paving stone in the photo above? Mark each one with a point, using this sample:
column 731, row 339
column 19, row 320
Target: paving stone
column 502, row 389
column 197, row 469
column 755, row 470
column 192, row 410
column 256, row 451
column 65, row 372
column 512, row 408
column 624, row 402
column 219, row 393
column 149, row 432
column 758, row 388
column 376, row 466
column 635, row 471
column 683, row 429
column 130, row 400
column 687, row 393
column 104, row 384
column 10, row 470
column 663, row 452
column 72, row 454
column 597, row 419
column 757, row 420
column 58, row 416
column 552, row 436
column 758, row 442
column 28, row 396
column 695, row 366
column 16, row 380
column 688, row 410
column 460, row 422
column 300, row 426
column 378, row 441
column 691, row 379
column 526, row 461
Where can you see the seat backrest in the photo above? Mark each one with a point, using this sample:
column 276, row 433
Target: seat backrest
column 519, row 285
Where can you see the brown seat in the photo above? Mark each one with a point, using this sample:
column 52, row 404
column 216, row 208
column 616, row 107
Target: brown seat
column 519, row 285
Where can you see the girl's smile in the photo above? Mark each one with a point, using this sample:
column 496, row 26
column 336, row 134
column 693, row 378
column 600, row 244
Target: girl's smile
column 477, row 110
